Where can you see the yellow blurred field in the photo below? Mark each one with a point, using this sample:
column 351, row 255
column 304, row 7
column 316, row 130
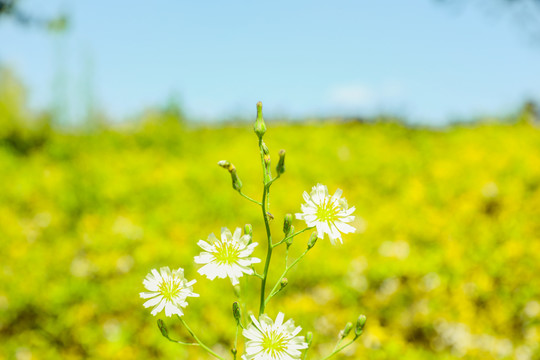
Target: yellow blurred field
column 445, row 263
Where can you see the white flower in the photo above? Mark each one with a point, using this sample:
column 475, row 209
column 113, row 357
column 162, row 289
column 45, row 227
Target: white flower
column 168, row 290
column 226, row 257
column 328, row 213
column 268, row 340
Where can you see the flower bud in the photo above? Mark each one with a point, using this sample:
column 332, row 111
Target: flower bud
column 309, row 338
column 265, row 149
column 248, row 230
column 224, row 164
column 163, row 328
column 267, row 162
column 360, row 323
column 280, row 168
column 312, row 240
column 234, row 351
column 236, row 312
column 346, row 330
column 236, row 182
column 259, row 127
column 287, row 223
column 284, row 282
column 289, row 240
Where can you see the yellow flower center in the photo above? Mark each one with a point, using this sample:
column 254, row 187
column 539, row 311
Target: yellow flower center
column 226, row 253
column 274, row 343
column 327, row 212
column 170, row 289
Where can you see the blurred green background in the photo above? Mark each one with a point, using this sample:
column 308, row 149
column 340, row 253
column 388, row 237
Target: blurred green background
column 445, row 262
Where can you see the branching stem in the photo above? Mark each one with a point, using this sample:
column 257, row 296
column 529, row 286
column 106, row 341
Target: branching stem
column 292, row 236
column 210, row 351
column 278, row 283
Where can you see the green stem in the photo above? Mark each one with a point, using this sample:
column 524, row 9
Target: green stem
column 181, row 342
column 338, row 342
column 305, row 353
column 257, row 275
column 250, row 199
column 278, row 283
column 292, row 236
column 274, row 179
column 339, row 349
column 210, row 351
column 235, row 342
column 264, row 204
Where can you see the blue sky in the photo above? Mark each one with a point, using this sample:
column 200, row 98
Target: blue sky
column 429, row 62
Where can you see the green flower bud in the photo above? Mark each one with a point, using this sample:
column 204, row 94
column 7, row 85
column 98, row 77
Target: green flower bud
column 346, row 330
column 259, row 127
column 236, row 312
column 312, row 240
column 309, row 338
column 290, row 240
column 236, row 182
column 265, row 149
column 163, row 328
column 284, row 282
column 248, row 230
column 234, row 351
column 280, row 168
column 287, row 223
column 360, row 323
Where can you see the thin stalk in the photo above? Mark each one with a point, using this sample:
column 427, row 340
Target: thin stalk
column 210, row 351
column 292, row 236
column 274, row 179
column 339, row 349
column 274, row 289
column 264, row 205
column 235, row 342
column 305, row 353
column 250, row 199
column 337, row 343
column 257, row 274
column 181, row 342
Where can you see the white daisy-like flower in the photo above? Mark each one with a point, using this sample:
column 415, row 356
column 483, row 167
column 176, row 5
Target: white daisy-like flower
column 329, row 214
column 228, row 256
column 269, row 340
column 167, row 290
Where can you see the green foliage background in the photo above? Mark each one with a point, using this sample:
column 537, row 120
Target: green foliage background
column 445, row 264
